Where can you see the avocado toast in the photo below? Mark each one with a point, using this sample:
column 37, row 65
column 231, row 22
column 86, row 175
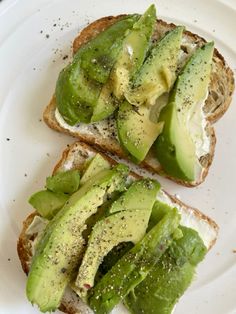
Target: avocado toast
column 172, row 262
column 113, row 133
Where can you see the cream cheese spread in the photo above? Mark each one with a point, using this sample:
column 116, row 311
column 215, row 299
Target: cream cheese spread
column 105, row 128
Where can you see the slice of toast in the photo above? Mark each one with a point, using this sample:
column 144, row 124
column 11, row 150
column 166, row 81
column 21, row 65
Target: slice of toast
column 75, row 157
column 103, row 134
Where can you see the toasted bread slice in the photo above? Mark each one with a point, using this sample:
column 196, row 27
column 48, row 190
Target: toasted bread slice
column 103, row 134
column 75, row 157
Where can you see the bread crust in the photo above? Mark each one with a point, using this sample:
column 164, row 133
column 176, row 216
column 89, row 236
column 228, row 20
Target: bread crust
column 77, row 154
column 220, row 95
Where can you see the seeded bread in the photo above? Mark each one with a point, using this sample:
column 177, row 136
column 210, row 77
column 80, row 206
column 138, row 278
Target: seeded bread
column 75, row 157
column 219, row 98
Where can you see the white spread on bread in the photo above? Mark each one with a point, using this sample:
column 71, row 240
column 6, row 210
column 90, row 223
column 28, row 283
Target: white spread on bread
column 196, row 124
column 36, row 228
column 187, row 49
column 105, row 128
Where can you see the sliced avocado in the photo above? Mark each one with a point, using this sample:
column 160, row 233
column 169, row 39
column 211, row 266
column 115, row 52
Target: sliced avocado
column 79, row 84
column 159, row 210
column 102, row 212
column 171, row 276
column 76, row 94
column 106, row 103
column 64, row 182
column 136, row 131
column 158, row 73
column 102, row 51
column 134, row 266
column 129, row 225
column 141, row 194
column 133, row 52
column 97, row 164
column 120, row 227
column 59, row 250
column 48, row 203
column 129, row 60
column 175, row 148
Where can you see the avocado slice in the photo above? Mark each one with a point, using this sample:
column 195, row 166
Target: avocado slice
column 137, row 127
column 176, row 148
column 159, row 210
column 136, row 131
column 48, row 203
column 125, row 226
column 79, row 84
column 134, row 50
column 106, row 103
column 170, row 277
column 129, row 60
column 140, row 195
column 64, row 182
column 134, row 266
column 97, row 164
column 59, row 250
column 132, row 211
column 76, row 94
column 158, row 73
column 102, row 51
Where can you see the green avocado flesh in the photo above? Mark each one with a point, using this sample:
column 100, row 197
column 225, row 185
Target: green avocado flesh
column 132, row 211
column 59, row 187
column 158, row 73
column 120, row 227
column 106, row 103
column 80, row 83
column 133, row 53
column 159, row 210
column 102, row 51
column 141, row 194
column 134, row 266
column 175, row 148
column 48, row 203
column 60, row 248
column 76, row 94
column 64, row 182
column 136, row 131
column 129, row 60
column 97, row 164
column 169, row 278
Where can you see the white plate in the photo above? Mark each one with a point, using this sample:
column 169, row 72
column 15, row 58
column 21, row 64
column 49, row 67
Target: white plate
column 29, row 65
